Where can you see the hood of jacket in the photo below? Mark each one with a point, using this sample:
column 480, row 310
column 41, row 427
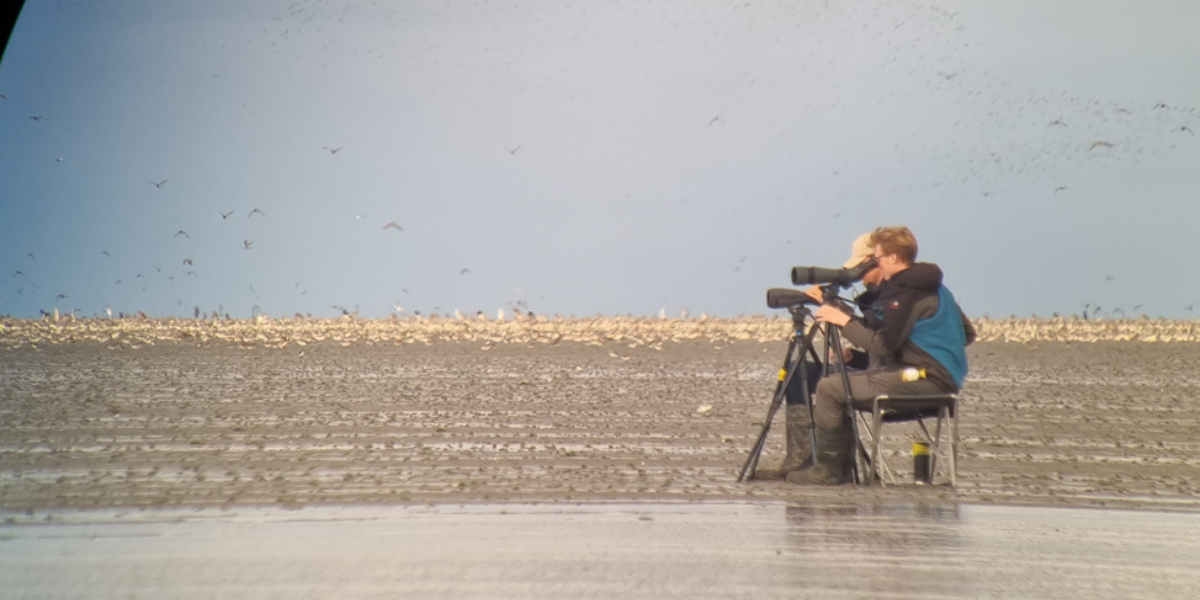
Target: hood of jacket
column 920, row 276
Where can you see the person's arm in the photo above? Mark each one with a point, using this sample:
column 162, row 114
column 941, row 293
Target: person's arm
column 898, row 322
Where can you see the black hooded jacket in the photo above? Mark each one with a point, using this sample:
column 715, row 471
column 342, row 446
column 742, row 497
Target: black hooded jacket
column 907, row 297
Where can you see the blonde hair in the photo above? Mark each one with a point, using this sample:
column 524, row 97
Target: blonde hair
column 897, row 240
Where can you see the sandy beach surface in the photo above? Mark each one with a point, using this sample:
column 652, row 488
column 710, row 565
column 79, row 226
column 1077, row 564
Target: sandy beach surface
column 91, row 425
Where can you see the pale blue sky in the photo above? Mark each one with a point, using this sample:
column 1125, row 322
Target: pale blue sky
column 585, row 157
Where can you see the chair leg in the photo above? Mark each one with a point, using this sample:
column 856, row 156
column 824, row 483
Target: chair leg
column 954, row 446
column 877, row 430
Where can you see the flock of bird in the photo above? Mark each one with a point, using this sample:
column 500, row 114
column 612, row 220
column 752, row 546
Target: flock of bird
column 628, row 333
column 1056, row 132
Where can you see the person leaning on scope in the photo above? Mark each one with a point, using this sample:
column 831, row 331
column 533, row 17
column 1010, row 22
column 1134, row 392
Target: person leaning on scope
column 912, row 321
column 797, row 441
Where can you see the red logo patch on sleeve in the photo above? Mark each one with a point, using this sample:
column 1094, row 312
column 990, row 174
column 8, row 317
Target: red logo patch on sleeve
column 894, row 305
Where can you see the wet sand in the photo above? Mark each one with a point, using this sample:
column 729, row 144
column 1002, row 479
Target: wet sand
column 86, row 425
column 659, row 550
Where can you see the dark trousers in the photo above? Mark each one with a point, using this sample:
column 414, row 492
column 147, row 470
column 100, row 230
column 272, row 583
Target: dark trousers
column 829, row 408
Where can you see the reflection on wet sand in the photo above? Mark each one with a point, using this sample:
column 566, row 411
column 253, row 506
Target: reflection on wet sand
column 695, row 550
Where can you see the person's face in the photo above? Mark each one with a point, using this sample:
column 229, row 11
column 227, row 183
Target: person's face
column 889, row 264
column 873, row 277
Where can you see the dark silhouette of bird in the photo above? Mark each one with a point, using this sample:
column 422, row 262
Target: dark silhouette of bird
column 19, row 272
column 948, row 76
column 3, row 97
column 333, row 150
column 1161, row 105
column 225, row 215
column 256, row 211
column 716, row 119
column 464, row 271
column 1187, row 129
column 157, row 184
column 249, row 244
column 30, row 255
column 37, row 118
column 513, row 151
column 188, row 262
column 181, row 232
column 105, row 252
column 392, row 225
column 1057, row 121
column 1109, row 278
column 1103, row 143
column 1060, row 188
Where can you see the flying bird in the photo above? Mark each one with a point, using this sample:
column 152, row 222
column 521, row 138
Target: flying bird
column 225, row 215
column 392, row 225
column 18, row 273
column 188, row 262
column 1100, row 143
column 157, row 184
column 333, row 150
column 105, row 252
column 60, row 297
column 513, row 151
column 37, row 118
column 464, row 271
column 1057, row 121
column 1185, row 128
column 181, row 232
column 1059, row 188
column 716, row 119
column 256, row 211
column 30, row 255
column 248, row 244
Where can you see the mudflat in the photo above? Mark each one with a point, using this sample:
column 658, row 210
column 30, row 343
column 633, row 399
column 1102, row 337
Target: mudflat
column 89, row 425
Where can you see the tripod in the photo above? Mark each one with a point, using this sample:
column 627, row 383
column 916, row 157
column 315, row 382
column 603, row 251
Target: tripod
column 796, row 362
column 793, row 362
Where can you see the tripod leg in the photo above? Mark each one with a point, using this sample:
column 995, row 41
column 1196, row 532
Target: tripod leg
column 747, row 472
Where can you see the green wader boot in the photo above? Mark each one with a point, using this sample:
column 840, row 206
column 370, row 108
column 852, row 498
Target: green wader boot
column 799, row 445
column 833, row 456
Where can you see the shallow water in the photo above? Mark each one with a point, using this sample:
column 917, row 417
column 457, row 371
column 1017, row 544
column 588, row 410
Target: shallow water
column 696, row 550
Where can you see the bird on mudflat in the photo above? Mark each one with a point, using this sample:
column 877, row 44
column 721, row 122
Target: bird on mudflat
column 392, row 225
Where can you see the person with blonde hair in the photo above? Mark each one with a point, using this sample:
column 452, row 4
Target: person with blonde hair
column 912, row 322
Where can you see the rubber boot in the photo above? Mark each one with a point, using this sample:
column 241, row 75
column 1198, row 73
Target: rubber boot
column 799, row 444
column 833, row 456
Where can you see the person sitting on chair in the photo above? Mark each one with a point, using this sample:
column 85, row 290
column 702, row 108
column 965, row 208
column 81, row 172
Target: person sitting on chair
column 796, row 420
column 913, row 322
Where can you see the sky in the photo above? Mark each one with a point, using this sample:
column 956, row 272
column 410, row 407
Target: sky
column 581, row 158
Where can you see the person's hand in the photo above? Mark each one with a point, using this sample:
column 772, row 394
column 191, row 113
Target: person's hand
column 831, row 314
